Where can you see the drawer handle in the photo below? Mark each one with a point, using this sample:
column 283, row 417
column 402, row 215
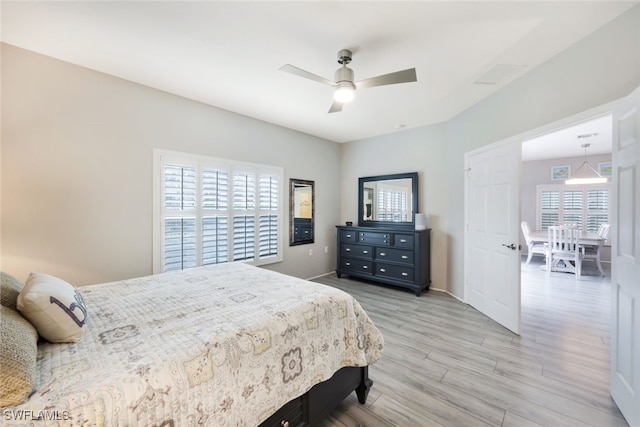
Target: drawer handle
column 405, row 274
column 365, row 252
column 347, row 250
column 348, row 236
column 347, row 263
column 382, row 270
column 365, row 267
column 284, row 423
column 403, row 240
column 386, row 235
column 383, row 254
column 405, row 257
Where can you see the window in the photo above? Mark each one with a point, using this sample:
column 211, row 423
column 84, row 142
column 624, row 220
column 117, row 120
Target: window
column 211, row 211
column 587, row 205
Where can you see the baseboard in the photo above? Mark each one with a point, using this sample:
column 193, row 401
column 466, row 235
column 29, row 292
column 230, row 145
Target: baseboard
column 320, row 275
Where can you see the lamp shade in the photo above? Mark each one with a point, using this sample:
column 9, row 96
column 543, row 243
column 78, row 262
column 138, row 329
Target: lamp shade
column 422, row 221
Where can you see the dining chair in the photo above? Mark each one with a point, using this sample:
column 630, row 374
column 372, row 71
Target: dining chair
column 592, row 252
column 533, row 248
column 564, row 247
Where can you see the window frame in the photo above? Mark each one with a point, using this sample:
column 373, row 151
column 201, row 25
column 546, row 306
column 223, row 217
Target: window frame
column 162, row 158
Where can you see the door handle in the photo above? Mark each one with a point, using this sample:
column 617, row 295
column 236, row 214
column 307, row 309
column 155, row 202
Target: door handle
column 511, row 246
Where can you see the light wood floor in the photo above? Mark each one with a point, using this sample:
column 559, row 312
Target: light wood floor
column 446, row 364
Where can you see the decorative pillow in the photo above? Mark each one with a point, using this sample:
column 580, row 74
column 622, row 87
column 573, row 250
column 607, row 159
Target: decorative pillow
column 10, row 287
column 54, row 307
column 17, row 357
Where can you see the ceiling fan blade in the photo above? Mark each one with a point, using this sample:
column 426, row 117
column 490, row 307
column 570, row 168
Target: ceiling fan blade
column 307, row 75
column 336, row 107
column 404, row 76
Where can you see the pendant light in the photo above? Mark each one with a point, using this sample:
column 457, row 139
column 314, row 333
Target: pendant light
column 587, row 177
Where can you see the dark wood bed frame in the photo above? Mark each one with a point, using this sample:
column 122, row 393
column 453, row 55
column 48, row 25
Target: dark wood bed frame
column 317, row 403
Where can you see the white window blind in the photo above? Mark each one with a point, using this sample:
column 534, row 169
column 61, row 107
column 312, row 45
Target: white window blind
column 586, row 206
column 211, row 211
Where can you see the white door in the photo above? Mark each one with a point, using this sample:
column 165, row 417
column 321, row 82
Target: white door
column 492, row 215
column 625, row 259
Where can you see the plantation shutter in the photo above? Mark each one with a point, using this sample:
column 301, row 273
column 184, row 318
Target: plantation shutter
column 597, row 208
column 180, row 203
column 586, row 206
column 215, row 222
column 213, row 211
column 572, row 207
column 392, row 205
column 269, row 205
column 549, row 202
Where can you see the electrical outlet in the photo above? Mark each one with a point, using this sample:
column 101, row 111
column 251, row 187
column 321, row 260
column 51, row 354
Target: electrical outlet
column 310, row 252
column 326, row 249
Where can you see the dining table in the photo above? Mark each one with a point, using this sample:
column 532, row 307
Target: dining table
column 586, row 238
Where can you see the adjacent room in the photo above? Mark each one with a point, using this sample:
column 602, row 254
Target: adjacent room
column 312, row 213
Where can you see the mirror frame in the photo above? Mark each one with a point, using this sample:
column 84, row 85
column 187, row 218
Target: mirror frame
column 292, row 209
column 414, row 196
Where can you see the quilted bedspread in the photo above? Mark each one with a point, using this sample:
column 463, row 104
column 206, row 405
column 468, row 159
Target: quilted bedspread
column 223, row 345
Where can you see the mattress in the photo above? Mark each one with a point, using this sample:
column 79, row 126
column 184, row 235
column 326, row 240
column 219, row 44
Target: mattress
column 222, row 345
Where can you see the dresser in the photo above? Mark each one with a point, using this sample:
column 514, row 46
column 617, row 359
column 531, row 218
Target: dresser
column 398, row 257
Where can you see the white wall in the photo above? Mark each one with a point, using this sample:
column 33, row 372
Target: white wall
column 421, row 151
column 77, row 153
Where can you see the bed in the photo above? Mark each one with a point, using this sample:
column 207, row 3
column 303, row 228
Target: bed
column 222, row 345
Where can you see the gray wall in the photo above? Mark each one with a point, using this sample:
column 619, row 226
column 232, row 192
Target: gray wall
column 601, row 68
column 422, row 150
column 77, row 154
column 77, row 157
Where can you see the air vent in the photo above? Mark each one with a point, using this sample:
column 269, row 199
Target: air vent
column 587, row 135
column 499, row 73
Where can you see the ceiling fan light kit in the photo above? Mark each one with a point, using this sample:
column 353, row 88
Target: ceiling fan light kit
column 595, row 177
column 344, row 84
column 345, row 92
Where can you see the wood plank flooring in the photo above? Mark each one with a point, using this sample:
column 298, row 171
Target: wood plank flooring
column 446, row 364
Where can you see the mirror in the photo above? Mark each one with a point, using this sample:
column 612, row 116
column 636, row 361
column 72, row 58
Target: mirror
column 301, row 211
column 387, row 200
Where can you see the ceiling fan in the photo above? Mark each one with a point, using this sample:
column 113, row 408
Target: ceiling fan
column 344, row 84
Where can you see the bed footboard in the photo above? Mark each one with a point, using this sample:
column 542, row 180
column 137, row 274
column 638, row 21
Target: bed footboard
column 317, row 403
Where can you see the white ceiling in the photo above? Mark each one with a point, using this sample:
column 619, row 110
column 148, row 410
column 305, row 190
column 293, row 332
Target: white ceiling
column 568, row 142
column 227, row 54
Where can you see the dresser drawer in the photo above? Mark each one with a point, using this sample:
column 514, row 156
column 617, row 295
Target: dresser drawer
column 356, row 265
column 291, row 414
column 374, row 238
column 395, row 255
column 398, row 272
column 403, row 240
column 357, row 251
column 302, row 232
column 348, row 236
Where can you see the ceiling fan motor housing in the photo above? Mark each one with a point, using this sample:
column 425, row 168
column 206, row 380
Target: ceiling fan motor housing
column 344, row 74
column 344, row 56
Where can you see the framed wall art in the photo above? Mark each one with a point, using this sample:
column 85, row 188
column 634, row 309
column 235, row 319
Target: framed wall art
column 605, row 169
column 560, row 173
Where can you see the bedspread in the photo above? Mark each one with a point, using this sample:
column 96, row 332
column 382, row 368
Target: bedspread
column 222, row 345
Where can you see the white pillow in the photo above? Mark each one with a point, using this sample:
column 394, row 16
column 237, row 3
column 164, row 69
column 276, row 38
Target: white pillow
column 54, row 307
